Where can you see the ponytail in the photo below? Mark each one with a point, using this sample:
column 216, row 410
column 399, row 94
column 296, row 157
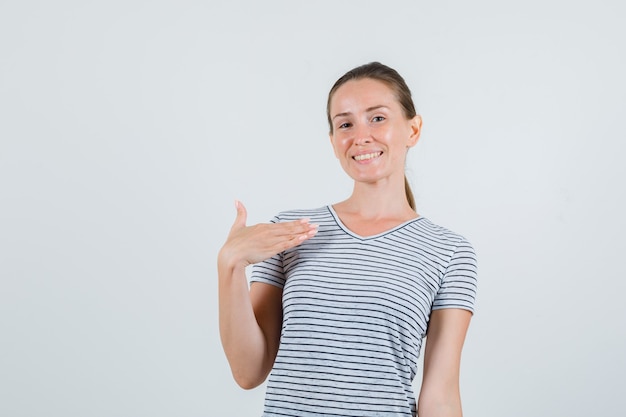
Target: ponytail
column 409, row 193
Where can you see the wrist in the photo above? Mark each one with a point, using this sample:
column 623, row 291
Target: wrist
column 228, row 263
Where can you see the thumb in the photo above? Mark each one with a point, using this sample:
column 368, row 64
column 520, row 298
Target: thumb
column 242, row 215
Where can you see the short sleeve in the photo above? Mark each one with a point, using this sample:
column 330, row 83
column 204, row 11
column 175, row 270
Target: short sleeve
column 270, row 271
column 459, row 281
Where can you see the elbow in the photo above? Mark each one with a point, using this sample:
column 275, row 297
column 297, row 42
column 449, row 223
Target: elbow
column 247, row 384
column 249, row 374
column 447, row 405
column 438, row 398
column 247, row 381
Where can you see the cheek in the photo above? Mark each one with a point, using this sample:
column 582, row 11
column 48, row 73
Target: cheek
column 340, row 143
column 336, row 144
column 383, row 131
column 396, row 136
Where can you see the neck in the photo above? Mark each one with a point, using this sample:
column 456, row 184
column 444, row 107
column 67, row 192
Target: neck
column 376, row 201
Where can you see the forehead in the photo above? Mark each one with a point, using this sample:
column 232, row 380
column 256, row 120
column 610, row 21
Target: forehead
column 363, row 93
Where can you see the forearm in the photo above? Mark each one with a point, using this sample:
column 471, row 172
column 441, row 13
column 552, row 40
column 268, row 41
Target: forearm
column 242, row 338
column 251, row 318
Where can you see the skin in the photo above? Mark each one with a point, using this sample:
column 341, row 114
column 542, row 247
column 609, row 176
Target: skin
column 250, row 320
column 367, row 119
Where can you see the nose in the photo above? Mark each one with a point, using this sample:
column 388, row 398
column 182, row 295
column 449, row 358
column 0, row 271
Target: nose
column 362, row 135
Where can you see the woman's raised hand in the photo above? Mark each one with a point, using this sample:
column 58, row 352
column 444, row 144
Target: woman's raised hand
column 248, row 245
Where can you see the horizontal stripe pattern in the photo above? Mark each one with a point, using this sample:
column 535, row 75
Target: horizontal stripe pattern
column 355, row 312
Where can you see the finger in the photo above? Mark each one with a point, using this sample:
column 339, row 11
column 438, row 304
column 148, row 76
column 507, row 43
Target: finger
column 295, row 227
column 293, row 237
column 299, row 238
column 242, row 215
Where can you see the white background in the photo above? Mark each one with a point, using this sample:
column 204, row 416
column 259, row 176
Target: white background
column 128, row 128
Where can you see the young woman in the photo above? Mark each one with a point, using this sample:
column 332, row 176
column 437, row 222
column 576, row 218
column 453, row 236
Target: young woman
column 342, row 296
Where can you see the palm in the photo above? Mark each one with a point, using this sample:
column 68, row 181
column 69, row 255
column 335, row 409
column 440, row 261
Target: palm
column 248, row 245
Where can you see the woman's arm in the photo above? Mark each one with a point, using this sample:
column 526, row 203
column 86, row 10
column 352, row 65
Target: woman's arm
column 440, row 396
column 250, row 322
column 250, row 318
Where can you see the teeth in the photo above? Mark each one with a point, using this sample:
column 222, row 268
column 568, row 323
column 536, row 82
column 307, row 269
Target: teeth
column 367, row 156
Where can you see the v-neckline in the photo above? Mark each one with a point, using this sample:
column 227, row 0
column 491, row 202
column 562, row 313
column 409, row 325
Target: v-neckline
column 369, row 237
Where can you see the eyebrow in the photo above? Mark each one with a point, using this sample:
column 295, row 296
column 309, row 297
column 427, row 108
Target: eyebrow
column 369, row 109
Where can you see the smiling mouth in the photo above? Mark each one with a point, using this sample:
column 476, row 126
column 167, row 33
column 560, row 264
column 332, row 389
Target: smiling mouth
column 367, row 156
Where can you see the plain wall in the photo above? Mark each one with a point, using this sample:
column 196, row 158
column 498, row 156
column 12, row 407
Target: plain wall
column 128, row 128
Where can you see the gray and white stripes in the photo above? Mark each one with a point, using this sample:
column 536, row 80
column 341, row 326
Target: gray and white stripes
column 355, row 311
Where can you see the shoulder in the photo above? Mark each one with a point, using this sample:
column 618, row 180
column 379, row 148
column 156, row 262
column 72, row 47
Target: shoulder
column 316, row 215
column 438, row 235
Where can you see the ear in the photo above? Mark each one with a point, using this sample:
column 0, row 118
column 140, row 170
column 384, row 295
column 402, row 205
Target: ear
column 415, row 124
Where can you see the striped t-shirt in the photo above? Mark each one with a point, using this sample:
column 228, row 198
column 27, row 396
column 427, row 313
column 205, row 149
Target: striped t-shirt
column 355, row 312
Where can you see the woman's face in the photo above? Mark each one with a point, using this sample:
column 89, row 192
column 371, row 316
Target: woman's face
column 371, row 134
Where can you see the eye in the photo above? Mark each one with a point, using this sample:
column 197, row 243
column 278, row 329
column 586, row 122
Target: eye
column 378, row 119
column 344, row 125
